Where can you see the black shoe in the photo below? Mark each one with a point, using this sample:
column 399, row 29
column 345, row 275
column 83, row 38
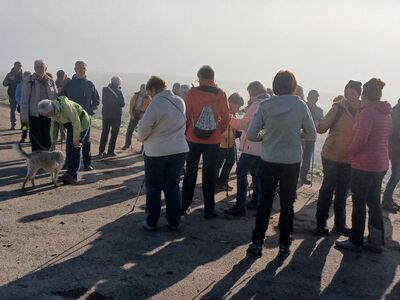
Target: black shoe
column 391, row 208
column 22, row 140
column 148, row 227
column 236, row 211
column 210, row 215
column 341, row 230
column 348, row 245
column 256, row 249
column 251, row 206
column 69, row 179
column 111, row 154
column 87, row 168
column 102, row 155
column 322, row 229
column 173, row 227
column 12, row 127
column 305, row 181
column 284, row 250
column 125, row 147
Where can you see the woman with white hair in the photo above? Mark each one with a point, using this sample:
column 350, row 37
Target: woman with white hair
column 113, row 102
column 75, row 119
column 37, row 87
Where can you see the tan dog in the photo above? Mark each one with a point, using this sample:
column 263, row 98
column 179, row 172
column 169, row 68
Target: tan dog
column 50, row 161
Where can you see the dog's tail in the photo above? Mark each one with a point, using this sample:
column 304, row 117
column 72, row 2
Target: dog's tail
column 18, row 148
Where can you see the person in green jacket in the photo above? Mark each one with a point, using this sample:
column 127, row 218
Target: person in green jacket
column 75, row 120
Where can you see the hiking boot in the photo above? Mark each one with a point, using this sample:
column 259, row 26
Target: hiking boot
column 148, row 227
column 322, row 229
column 235, row 211
column 341, row 230
column 256, row 249
column 87, row 168
column 284, row 250
column 125, row 147
column 210, row 215
column 348, row 245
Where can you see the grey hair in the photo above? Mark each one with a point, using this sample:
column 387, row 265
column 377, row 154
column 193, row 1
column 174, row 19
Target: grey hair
column 40, row 62
column 45, row 106
column 116, row 80
column 185, row 88
column 80, row 63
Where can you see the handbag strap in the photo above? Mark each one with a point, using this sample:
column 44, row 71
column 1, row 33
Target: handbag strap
column 176, row 106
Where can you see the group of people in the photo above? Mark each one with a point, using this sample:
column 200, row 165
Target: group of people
column 277, row 138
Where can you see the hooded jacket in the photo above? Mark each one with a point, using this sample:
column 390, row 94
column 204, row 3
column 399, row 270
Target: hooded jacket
column 34, row 90
column 278, row 124
column 394, row 139
column 68, row 112
column 83, row 92
column 199, row 97
column 11, row 81
column 339, row 121
column 247, row 146
column 369, row 148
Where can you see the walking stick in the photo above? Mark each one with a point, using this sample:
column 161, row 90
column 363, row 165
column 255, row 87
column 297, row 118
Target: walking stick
column 137, row 196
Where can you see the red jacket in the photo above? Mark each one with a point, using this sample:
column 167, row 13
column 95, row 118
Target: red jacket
column 369, row 148
column 201, row 96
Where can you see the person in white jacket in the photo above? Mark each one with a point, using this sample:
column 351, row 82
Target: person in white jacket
column 162, row 131
column 250, row 156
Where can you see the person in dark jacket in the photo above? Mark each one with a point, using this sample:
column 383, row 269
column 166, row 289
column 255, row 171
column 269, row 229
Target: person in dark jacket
column 82, row 91
column 369, row 162
column 113, row 102
column 394, row 154
column 11, row 81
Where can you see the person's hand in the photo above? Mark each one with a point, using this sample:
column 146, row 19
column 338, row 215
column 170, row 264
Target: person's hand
column 53, row 146
column 77, row 144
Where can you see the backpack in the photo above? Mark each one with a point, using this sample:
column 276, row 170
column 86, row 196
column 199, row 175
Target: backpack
column 206, row 124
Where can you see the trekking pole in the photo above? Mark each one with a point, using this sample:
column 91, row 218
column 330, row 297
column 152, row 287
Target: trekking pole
column 137, row 196
column 312, row 166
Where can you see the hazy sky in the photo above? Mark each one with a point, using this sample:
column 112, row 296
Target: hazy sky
column 325, row 42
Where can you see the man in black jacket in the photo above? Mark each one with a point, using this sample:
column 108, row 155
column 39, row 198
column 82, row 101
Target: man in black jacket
column 11, row 81
column 83, row 92
column 394, row 154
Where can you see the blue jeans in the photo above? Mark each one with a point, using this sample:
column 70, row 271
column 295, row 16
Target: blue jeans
column 73, row 159
column 163, row 174
column 226, row 160
column 247, row 163
column 393, row 181
column 308, row 149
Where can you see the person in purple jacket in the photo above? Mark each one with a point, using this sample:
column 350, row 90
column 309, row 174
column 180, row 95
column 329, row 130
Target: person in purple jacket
column 369, row 162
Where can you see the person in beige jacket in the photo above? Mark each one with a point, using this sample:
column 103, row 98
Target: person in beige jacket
column 335, row 158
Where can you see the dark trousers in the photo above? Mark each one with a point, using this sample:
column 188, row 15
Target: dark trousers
column 308, row 150
column 270, row 175
column 13, row 108
column 39, row 133
column 336, row 180
column 163, row 174
column 210, row 156
column 393, row 181
column 113, row 124
column 86, row 154
column 247, row 163
column 133, row 121
column 226, row 160
column 73, row 155
column 366, row 190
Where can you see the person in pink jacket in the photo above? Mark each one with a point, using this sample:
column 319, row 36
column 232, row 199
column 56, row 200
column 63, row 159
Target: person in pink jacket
column 251, row 151
column 369, row 159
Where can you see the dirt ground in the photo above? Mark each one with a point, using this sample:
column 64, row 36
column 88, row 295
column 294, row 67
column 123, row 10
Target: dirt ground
column 81, row 242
